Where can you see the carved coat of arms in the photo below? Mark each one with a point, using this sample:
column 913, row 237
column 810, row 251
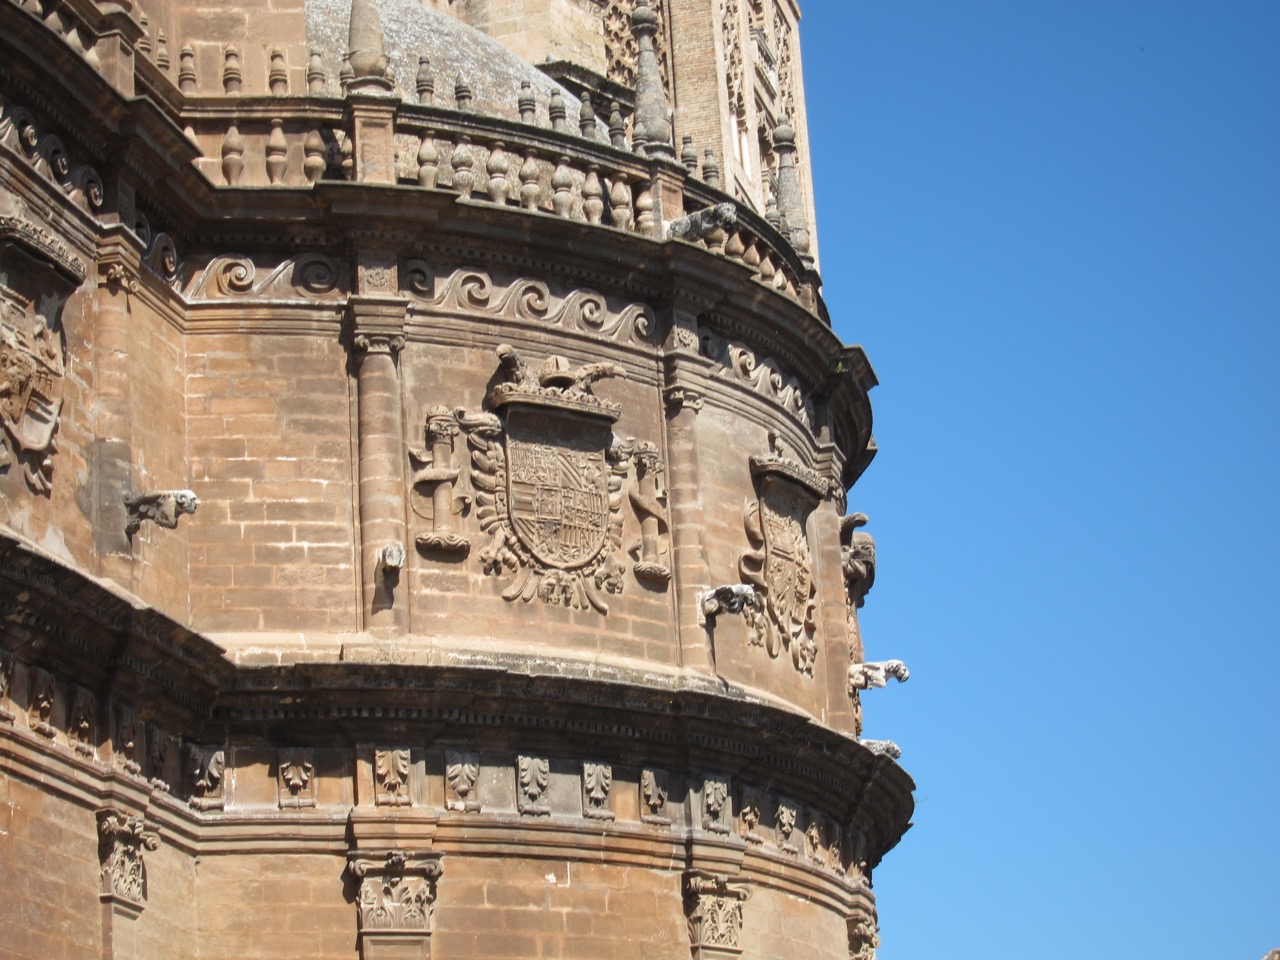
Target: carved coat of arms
column 779, row 565
column 548, row 475
column 36, row 275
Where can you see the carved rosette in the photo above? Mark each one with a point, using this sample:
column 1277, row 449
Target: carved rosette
column 37, row 274
column 395, row 901
column 533, row 776
column 713, row 905
column 548, row 475
column 434, row 479
column 121, row 840
column 779, row 564
column 295, row 778
column 597, row 779
column 391, row 777
column 206, row 767
column 461, row 773
column 653, row 793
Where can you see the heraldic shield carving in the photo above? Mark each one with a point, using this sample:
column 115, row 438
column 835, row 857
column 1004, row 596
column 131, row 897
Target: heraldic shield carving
column 37, row 274
column 779, row 566
column 548, row 475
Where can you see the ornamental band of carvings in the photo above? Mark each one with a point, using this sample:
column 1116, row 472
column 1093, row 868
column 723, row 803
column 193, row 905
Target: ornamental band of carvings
column 548, row 475
column 295, row 778
column 164, row 507
column 121, row 840
column 533, row 776
column 597, row 778
column 779, row 565
column 391, row 777
column 235, row 276
column 713, row 906
column 37, row 274
column 395, row 903
column 469, row 292
column 48, row 156
column 206, row 768
column 461, row 773
column 764, row 377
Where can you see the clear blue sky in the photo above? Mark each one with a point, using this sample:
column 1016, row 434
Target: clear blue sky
column 1055, row 227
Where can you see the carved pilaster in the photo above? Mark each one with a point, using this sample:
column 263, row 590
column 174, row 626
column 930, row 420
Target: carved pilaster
column 395, row 900
column 713, row 905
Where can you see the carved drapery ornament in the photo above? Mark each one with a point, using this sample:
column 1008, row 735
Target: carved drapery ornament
column 548, row 476
column 779, row 565
column 649, row 500
column 206, row 768
column 164, row 507
column 395, row 901
column 533, row 776
column 435, row 474
column 121, row 840
column 37, row 274
column 597, row 779
column 391, row 777
column 713, row 905
column 461, row 771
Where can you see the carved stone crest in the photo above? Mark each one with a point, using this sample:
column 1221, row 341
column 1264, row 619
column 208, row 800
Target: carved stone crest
column 713, row 906
column 36, row 276
column 779, row 565
column 121, row 840
column 548, row 475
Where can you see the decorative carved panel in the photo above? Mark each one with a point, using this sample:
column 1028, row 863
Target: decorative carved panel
column 395, row 901
column 206, row 770
column 296, row 777
column 533, row 777
column 715, row 805
column 80, row 721
column 43, row 695
column 391, row 777
column 597, row 779
column 461, row 773
column 713, row 905
column 653, row 794
column 128, row 743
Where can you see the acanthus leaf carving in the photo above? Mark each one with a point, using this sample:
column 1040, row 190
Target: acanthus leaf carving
column 391, row 777
column 122, row 838
column 206, row 769
column 715, row 805
column 654, row 792
column 295, row 779
column 461, row 773
column 533, row 777
column 714, row 909
column 396, row 895
column 597, row 779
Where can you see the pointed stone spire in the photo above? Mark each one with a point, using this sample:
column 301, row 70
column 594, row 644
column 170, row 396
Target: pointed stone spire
column 790, row 198
column 425, row 82
column 651, row 131
column 367, row 55
column 526, row 102
column 617, row 128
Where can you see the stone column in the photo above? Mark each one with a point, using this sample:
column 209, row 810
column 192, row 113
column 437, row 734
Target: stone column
column 378, row 324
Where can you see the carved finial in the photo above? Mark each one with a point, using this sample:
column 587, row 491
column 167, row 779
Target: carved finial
column 790, row 199
column 365, row 48
column 231, row 70
column 162, row 51
column 689, row 155
column 163, row 506
column 315, row 74
column 526, row 102
column 771, row 215
column 617, row 126
column 462, row 94
column 652, row 130
column 710, row 169
column 556, row 110
column 425, row 82
column 278, row 77
column 346, row 74
column 587, row 119
column 187, row 69
column 144, row 41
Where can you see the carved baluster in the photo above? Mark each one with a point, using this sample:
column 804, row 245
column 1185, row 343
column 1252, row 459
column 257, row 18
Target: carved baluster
column 735, row 248
column 592, row 204
column 464, row 177
column 348, row 163
column 527, row 103
column 767, row 269
column 232, row 156
column 751, row 256
column 530, row 189
column 617, row 126
column 314, row 164
column 425, row 82
column 688, row 155
column 587, row 119
column 710, row 169
column 620, row 202
column 231, row 70
column 644, row 212
column 315, row 74
column 462, row 95
column 277, row 152
column 428, row 160
column 497, row 167
column 556, row 110
column 162, row 51
column 187, row 69
column 562, row 184
column 278, row 77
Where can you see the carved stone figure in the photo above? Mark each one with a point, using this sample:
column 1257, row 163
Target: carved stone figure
column 786, row 824
column 127, row 744
column 162, row 506
column 437, row 475
column 649, row 500
column 864, row 676
column 391, row 777
column 702, row 223
column 653, row 792
column 206, row 766
column 121, row 841
column 597, row 778
column 295, row 778
column 749, row 821
column 160, row 749
column 80, row 723
column 548, row 476
column 857, row 557
column 43, row 697
column 461, row 771
column 533, row 776
column 779, row 565
column 713, row 905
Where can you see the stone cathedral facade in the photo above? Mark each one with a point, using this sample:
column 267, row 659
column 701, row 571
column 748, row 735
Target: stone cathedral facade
column 423, row 489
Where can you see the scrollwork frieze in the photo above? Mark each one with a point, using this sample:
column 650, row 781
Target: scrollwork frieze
column 312, row 276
